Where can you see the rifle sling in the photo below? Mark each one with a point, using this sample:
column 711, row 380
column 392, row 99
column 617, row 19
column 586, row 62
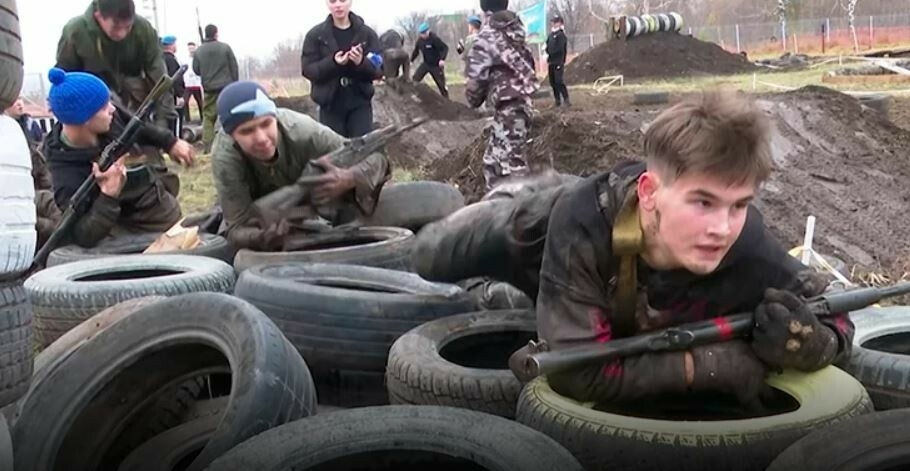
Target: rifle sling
column 628, row 243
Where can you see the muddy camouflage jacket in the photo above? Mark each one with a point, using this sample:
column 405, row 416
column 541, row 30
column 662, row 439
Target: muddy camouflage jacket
column 129, row 67
column 240, row 180
column 577, row 284
column 500, row 66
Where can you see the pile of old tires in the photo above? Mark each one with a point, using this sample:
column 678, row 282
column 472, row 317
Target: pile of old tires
column 647, row 24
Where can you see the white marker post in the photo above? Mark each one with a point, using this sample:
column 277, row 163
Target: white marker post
column 807, row 240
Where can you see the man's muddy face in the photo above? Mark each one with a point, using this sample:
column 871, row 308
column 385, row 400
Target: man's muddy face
column 115, row 29
column 258, row 138
column 339, row 8
column 699, row 217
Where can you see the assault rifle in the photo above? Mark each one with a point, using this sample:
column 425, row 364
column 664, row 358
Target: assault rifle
column 536, row 359
column 353, row 152
column 81, row 200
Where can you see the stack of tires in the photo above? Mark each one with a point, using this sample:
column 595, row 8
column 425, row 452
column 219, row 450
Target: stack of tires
column 17, row 231
column 647, row 24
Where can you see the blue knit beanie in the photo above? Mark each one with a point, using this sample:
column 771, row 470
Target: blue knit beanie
column 169, row 40
column 240, row 102
column 76, row 96
column 424, row 27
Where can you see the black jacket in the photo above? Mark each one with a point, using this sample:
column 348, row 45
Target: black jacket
column 319, row 66
column 433, row 49
column 557, row 48
column 170, row 61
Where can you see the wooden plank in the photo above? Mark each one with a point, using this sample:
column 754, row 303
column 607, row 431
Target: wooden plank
column 866, row 79
column 892, row 67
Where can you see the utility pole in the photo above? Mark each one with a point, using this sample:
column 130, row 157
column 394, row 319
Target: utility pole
column 152, row 6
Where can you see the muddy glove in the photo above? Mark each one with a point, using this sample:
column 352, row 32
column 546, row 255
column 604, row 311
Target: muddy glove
column 809, row 283
column 787, row 335
column 270, row 239
column 732, row 368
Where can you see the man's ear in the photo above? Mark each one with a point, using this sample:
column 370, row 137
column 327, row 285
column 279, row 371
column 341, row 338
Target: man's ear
column 648, row 184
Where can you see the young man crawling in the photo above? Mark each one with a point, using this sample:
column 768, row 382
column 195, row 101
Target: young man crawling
column 649, row 245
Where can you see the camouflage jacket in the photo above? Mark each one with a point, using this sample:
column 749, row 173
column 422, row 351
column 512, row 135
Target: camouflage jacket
column 578, row 282
column 241, row 180
column 500, row 66
column 129, row 67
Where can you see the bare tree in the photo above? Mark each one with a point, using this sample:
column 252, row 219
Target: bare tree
column 411, row 22
column 850, row 8
column 573, row 13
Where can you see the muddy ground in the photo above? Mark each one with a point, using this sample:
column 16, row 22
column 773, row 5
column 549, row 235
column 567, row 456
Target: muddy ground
column 664, row 55
column 834, row 159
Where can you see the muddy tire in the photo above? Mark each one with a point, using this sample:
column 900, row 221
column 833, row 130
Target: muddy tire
column 212, row 246
column 66, row 295
column 881, row 355
column 168, row 449
column 650, row 98
column 400, row 437
column 74, row 421
column 380, row 247
column 346, row 316
column 603, row 440
column 876, row 441
column 15, row 342
column 17, row 200
column 461, row 361
column 415, row 204
column 10, row 54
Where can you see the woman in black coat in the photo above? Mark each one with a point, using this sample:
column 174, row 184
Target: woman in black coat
column 341, row 75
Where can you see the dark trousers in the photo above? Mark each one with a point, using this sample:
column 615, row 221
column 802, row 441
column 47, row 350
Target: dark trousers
column 348, row 122
column 195, row 93
column 558, row 83
column 438, row 75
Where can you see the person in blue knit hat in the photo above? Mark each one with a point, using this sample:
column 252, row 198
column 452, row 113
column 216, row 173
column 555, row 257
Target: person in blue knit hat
column 474, row 25
column 434, row 52
column 261, row 148
column 130, row 198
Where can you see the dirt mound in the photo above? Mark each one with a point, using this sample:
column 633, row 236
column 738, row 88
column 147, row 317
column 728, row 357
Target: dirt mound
column 420, row 147
column 576, row 142
column 848, row 166
column 398, row 101
column 833, row 158
column 665, row 55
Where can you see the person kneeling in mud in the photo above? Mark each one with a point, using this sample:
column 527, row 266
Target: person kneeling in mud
column 130, row 198
column 649, row 245
column 262, row 148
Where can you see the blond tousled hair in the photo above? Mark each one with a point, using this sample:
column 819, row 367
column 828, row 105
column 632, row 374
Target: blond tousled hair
column 718, row 133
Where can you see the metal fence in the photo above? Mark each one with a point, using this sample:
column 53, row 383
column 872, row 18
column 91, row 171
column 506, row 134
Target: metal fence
column 802, row 36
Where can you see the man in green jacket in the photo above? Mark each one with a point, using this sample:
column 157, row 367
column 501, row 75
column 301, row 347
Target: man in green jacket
column 216, row 64
column 110, row 41
column 261, row 148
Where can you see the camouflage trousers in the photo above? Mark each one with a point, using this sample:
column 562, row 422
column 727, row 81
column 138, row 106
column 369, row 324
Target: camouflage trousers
column 505, row 154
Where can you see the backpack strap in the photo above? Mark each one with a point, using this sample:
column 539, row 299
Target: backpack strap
column 628, row 243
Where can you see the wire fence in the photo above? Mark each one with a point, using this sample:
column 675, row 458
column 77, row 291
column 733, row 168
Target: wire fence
column 810, row 36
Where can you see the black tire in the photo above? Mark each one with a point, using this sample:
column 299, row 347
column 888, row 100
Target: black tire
column 650, row 98
column 413, row 205
column 173, row 448
column 75, row 420
column 461, row 361
column 380, row 247
column 346, row 317
column 881, row 355
column 213, row 246
column 369, row 438
column 874, row 442
column 603, row 440
column 61, row 302
column 11, row 71
column 15, row 342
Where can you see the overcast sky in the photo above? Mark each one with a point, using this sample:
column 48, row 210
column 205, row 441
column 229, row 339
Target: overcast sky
column 252, row 27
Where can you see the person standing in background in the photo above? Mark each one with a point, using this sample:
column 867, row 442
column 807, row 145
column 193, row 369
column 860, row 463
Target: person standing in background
column 169, row 45
column 216, row 64
column 557, row 50
column 464, row 46
column 193, row 84
column 32, row 130
column 336, row 59
column 434, row 52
